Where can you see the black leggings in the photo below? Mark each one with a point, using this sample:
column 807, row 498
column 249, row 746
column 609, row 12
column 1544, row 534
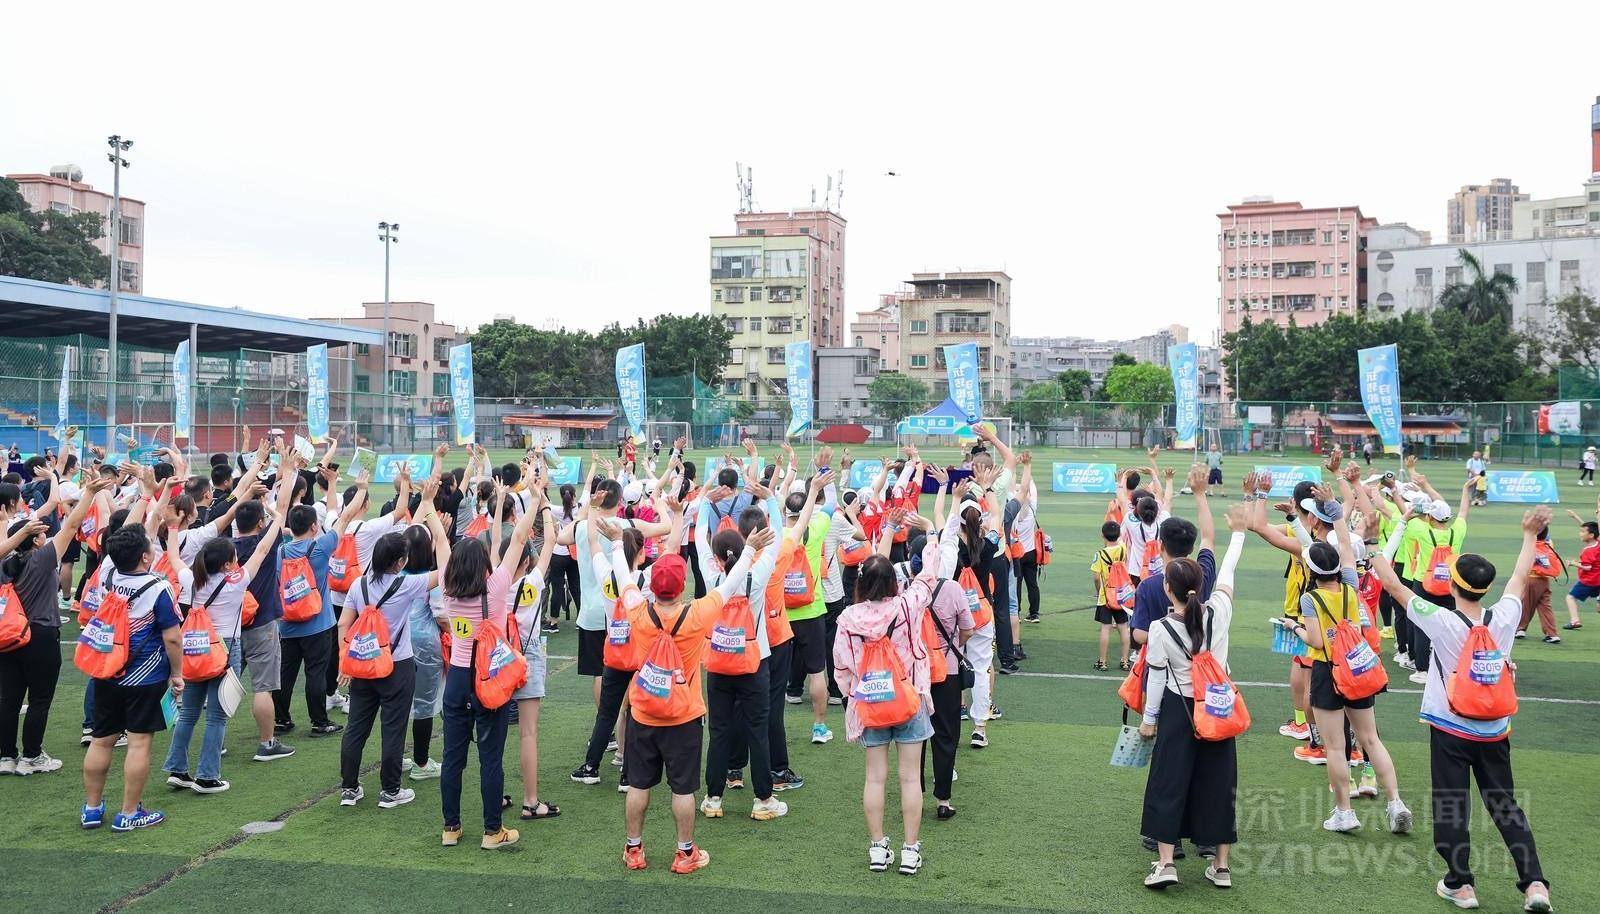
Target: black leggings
column 946, row 697
column 29, row 674
column 564, row 593
column 1000, row 599
column 1028, row 572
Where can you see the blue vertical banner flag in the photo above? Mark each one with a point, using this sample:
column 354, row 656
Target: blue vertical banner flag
column 317, row 392
column 182, row 385
column 966, row 391
column 797, row 360
column 1184, row 362
column 61, row 395
column 630, row 387
column 1379, row 368
column 461, row 394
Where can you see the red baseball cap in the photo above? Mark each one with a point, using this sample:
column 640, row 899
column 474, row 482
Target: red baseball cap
column 667, row 575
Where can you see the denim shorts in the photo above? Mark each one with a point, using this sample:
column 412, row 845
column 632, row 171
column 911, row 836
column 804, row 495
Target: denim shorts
column 915, row 730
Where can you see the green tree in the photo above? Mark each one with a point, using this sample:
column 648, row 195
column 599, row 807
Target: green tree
column 1075, row 384
column 49, row 246
column 515, row 360
column 743, row 411
column 1574, row 331
column 895, row 396
column 1146, row 388
column 1484, row 297
column 1040, row 402
column 1122, row 358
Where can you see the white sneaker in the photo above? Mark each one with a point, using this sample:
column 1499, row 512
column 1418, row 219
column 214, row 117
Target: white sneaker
column 1399, row 816
column 910, row 859
column 1342, row 820
column 425, row 772
column 616, row 761
column 611, row 746
column 770, row 808
column 1537, row 899
column 39, row 764
column 350, row 797
column 711, row 807
column 391, row 799
column 121, row 743
column 337, row 701
column 8, row 766
column 1464, row 898
column 1419, row 678
column 406, row 764
column 954, row 776
column 879, row 856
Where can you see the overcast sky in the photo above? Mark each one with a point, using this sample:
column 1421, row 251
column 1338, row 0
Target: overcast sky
column 568, row 164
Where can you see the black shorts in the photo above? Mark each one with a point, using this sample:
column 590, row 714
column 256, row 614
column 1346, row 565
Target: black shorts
column 810, row 645
column 676, row 750
column 131, row 709
column 1326, row 697
column 591, row 652
column 1214, row 477
column 1105, row 615
column 73, row 554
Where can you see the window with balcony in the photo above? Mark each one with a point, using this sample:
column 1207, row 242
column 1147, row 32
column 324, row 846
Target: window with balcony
column 961, row 322
column 780, row 294
column 402, row 345
column 919, row 326
column 919, row 361
column 1295, row 270
column 128, row 274
column 733, row 294
column 441, row 348
column 774, row 355
column 403, row 383
column 786, row 264
column 780, row 325
column 735, row 263
column 734, row 324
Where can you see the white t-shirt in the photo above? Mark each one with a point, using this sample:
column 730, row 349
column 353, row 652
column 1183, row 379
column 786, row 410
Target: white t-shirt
column 367, row 533
column 596, row 603
column 1163, row 651
column 523, row 602
column 397, row 610
column 1449, row 635
column 190, row 541
column 225, row 592
column 1027, row 521
column 1135, row 534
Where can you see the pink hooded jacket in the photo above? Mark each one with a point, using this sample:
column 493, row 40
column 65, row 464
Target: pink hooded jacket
column 870, row 620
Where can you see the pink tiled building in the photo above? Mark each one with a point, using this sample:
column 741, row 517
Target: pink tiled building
column 63, row 190
column 1281, row 261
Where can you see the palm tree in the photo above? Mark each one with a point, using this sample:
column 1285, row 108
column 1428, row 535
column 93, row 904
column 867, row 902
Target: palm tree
column 1484, row 297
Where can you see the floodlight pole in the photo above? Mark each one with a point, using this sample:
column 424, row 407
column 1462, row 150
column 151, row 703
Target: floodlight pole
column 118, row 147
column 389, row 237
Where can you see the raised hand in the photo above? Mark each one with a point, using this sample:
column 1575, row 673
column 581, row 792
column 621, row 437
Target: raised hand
column 761, row 539
column 1238, row 518
column 1197, row 479
column 1536, row 520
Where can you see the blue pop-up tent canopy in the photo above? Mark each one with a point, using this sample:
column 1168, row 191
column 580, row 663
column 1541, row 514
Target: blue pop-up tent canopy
column 944, row 419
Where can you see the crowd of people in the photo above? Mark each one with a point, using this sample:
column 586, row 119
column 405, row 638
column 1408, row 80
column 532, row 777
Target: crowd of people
column 706, row 599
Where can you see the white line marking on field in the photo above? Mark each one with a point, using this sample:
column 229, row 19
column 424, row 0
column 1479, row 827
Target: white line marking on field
column 1285, row 685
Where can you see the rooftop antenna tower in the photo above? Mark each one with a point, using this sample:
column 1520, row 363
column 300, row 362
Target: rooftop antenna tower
column 746, row 185
column 838, row 200
column 827, row 198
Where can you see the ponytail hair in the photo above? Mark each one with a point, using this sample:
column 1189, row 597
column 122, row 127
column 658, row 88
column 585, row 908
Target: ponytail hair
column 1183, row 580
column 632, row 545
column 211, row 559
column 568, row 500
column 727, row 546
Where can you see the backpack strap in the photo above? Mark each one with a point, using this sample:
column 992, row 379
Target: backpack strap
column 395, row 586
column 1182, row 646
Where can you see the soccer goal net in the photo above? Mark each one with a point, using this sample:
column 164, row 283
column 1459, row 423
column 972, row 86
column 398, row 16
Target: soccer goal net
column 666, row 432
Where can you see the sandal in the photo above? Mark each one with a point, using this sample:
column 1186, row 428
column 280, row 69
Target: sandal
column 551, row 810
column 505, row 801
column 1125, row 665
column 1100, row 665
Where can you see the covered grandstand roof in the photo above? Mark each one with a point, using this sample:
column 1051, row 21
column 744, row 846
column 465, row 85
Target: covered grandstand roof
column 30, row 308
column 1353, row 424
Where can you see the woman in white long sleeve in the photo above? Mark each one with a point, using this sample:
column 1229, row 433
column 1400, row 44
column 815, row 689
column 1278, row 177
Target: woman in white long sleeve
column 1190, row 790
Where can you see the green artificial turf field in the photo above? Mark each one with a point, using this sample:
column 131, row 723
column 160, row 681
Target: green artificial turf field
column 1045, row 823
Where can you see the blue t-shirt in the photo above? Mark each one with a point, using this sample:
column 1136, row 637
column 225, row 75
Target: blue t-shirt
column 149, row 614
column 1150, row 599
column 318, row 550
column 264, row 586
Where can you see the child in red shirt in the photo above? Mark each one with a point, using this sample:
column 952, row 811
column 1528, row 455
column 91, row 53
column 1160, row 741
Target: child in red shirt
column 1588, row 570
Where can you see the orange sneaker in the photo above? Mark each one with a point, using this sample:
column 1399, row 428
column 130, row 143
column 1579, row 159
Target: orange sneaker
column 1314, row 756
column 1356, row 758
column 690, row 860
column 633, row 856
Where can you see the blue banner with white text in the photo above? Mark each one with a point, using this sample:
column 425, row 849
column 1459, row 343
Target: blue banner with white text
column 182, row 386
column 797, row 361
column 1184, row 362
column 1379, row 369
column 386, row 468
column 966, row 391
column 865, row 472
column 461, row 394
column 1285, row 478
column 61, row 395
column 1083, row 477
column 567, row 471
column 1529, row 487
column 630, row 387
column 317, row 392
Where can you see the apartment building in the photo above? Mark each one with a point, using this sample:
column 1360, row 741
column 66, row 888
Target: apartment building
column 1283, row 262
column 880, row 329
column 943, row 309
column 419, row 353
column 1410, row 278
column 778, row 279
column 63, row 190
column 1482, row 212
